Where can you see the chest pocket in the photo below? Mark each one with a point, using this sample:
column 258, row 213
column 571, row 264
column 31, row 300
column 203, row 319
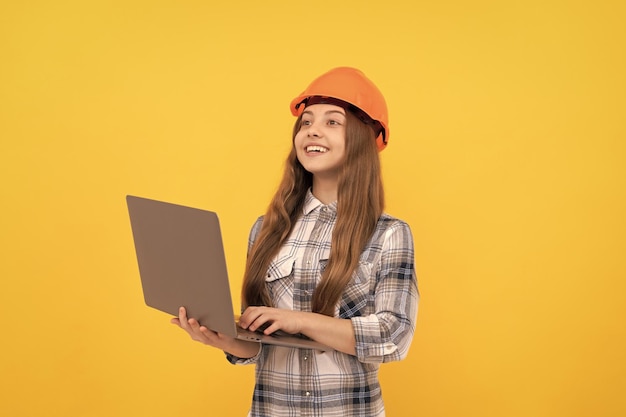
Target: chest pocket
column 279, row 281
column 358, row 297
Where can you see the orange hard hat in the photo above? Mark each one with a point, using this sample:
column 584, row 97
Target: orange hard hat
column 351, row 86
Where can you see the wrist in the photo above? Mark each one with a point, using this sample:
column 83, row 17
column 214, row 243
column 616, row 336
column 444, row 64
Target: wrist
column 242, row 349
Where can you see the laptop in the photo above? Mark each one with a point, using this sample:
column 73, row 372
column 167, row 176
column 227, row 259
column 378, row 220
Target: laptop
column 182, row 264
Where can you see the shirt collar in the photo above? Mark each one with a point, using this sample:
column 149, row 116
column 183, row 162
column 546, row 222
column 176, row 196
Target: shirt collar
column 311, row 203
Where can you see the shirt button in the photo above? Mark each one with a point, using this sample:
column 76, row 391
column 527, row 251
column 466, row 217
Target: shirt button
column 306, row 358
column 308, row 393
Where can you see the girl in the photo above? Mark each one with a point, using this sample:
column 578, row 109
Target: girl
column 327, row 263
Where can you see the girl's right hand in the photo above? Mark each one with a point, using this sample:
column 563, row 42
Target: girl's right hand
column 202, row 334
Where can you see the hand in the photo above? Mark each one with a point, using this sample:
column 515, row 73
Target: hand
column 271, row 320
column 200, row 333
column 330, row 331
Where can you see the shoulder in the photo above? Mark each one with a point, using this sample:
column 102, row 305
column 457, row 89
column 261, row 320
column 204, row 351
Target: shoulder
column 392, row 232
column 256, row 227
column 258, row 222
column 388, row 222
column 391, row 235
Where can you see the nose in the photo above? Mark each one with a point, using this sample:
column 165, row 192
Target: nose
column 313, row 130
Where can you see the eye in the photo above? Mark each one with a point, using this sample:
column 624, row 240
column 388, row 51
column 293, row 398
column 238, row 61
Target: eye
column 334, row 122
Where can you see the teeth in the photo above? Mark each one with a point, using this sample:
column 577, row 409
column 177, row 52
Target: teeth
column 316, row 149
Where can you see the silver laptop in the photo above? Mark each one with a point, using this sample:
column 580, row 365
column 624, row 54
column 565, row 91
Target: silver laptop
column 182, row 264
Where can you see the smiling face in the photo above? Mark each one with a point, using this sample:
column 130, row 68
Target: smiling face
column 320, row 142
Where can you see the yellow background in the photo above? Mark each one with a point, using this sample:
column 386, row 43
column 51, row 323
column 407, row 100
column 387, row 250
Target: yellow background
column 506, row 157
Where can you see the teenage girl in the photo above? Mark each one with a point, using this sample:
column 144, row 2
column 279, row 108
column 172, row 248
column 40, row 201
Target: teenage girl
column 327, row 263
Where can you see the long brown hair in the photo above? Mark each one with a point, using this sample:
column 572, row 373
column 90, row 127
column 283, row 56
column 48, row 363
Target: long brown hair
column 360, row 202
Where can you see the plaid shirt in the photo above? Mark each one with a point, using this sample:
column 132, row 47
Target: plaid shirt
column 381, row 301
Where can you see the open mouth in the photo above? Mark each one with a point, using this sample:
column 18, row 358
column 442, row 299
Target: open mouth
column 316, row 149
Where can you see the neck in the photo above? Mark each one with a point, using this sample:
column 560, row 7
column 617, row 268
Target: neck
column 325, row 190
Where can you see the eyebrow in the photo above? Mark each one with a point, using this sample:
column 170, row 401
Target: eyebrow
column 326, row 112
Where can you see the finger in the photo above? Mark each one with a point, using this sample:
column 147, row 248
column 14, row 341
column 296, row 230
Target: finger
column 275, row 326
column 209, row 336
column 182, row 313
column 249, row 318
column 193, row 328
column 261, row 323
column 194, row 325
column 182, row 318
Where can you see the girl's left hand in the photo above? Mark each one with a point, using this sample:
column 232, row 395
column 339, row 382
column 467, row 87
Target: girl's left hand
column 272, row 319
column 330, row 331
